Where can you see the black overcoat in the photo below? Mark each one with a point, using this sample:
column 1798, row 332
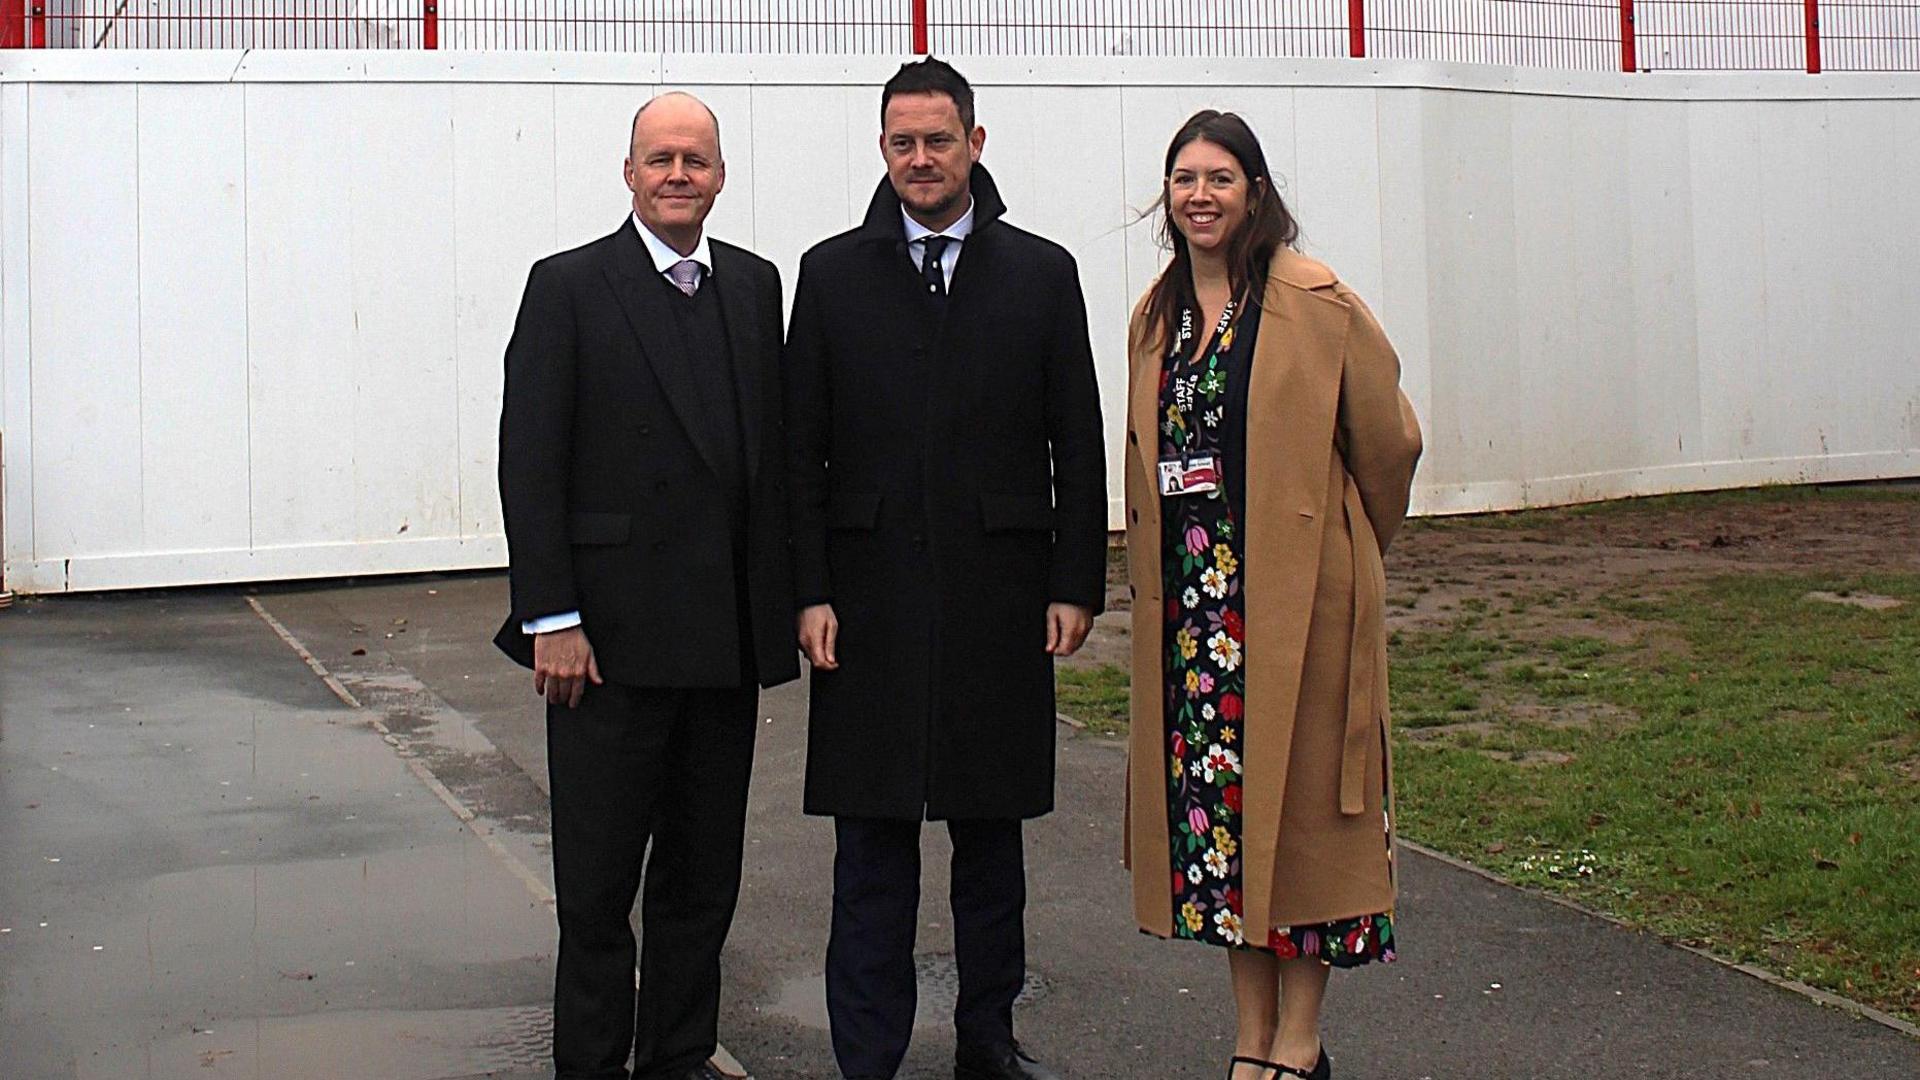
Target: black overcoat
column 612, row 501
column 949, row 481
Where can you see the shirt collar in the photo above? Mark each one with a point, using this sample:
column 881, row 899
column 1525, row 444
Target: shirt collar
column 959, row 230
column 665, row 258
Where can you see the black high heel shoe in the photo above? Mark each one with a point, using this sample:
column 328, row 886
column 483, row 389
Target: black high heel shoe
column 1322, row 1069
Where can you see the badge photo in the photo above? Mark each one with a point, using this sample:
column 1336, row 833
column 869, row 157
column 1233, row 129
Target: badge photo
column 1190, row 476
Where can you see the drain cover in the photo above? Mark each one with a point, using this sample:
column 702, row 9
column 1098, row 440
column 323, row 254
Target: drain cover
column 803, row 999
column 521, row 1038
column 939, row 977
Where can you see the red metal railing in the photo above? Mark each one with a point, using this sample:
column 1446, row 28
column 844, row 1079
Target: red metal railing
column 1859, row 35
column 1739, row 35
column 22, row 24
column 1567, row 34
column 1619, row 35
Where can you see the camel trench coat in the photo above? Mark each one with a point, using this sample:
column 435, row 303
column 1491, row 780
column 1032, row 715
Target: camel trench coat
column 1331, row 448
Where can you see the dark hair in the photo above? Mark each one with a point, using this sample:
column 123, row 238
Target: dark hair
column 930, row 76
column 1269, row 225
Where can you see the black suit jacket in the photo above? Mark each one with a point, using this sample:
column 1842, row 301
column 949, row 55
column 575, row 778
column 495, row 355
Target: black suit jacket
column 949, row 481
column 612, row 501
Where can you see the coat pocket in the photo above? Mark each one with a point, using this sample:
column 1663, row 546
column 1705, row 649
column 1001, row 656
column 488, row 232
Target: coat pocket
column 853, row 510
column 594, row 528
column 1016, row 512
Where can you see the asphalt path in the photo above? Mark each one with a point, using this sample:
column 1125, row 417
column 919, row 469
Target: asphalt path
column 264, row 872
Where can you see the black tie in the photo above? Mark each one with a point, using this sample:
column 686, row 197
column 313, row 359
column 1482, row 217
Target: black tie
column 930, row 269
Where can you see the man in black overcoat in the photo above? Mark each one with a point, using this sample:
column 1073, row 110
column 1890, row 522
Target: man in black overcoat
column 949, row 516
column 642, row 475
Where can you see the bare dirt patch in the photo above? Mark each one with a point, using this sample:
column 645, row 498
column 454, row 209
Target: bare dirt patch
column 1544, row 572
column 1541, row 575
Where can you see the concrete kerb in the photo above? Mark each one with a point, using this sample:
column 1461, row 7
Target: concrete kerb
column 722, row 1062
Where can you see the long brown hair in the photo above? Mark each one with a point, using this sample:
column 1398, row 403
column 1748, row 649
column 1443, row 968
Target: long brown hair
column 1269, row 225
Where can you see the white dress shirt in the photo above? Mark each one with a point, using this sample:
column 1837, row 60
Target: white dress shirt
column 957, row 232
column 664, row 259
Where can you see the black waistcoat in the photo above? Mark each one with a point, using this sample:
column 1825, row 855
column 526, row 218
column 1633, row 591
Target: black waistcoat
column 703, row 326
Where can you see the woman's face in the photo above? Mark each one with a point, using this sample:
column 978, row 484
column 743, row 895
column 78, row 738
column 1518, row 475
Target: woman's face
column 1208, row 195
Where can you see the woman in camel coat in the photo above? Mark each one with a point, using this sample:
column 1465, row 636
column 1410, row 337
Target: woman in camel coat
column 1269, row 457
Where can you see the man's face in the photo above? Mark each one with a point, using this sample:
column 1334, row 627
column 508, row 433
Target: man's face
column 674, row 168
column 930, row 155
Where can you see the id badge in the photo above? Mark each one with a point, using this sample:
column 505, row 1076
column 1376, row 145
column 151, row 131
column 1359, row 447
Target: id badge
column 1190, row 476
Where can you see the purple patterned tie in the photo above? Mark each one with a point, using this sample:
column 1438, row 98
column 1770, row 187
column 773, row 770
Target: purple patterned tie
column 686, row 275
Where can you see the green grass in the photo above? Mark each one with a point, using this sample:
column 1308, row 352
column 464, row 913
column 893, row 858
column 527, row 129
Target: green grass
column 1754, row 788
column 1742, row 772
column 1096, row 697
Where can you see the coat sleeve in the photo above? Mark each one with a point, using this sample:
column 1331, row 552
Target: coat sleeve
column 809, row 426
column 536, row 440
column 1078, row 574
column 1379, row 433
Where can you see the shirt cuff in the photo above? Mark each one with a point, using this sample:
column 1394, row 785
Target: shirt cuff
column 549, row 623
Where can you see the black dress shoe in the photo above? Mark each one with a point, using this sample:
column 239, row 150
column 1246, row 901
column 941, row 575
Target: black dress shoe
column 1006, row 1063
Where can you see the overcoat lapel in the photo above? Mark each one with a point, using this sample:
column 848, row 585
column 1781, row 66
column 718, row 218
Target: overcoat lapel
column 653, row 324
column 1296, row 385
column 743, row 334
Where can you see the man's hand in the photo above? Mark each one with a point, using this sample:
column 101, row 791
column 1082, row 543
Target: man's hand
column 1067, row 628
column 562, row 663
column 818, row 632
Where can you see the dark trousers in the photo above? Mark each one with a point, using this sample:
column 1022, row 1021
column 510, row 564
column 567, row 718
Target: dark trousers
column 630, row 767
column 876, row 906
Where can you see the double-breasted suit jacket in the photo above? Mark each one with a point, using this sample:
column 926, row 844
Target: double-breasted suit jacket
column 1331, row 445
column 613, row 472
column 949, row 483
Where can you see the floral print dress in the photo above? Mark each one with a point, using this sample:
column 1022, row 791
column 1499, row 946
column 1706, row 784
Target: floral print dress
column 1205, row 676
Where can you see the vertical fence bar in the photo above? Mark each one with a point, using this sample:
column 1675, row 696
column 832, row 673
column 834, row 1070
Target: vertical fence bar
column 1813, row 37
column 36, row 24
column 1357, row 27
column 13, row 24
column 1629, row 61
column 430, row 25
column 920, row 35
